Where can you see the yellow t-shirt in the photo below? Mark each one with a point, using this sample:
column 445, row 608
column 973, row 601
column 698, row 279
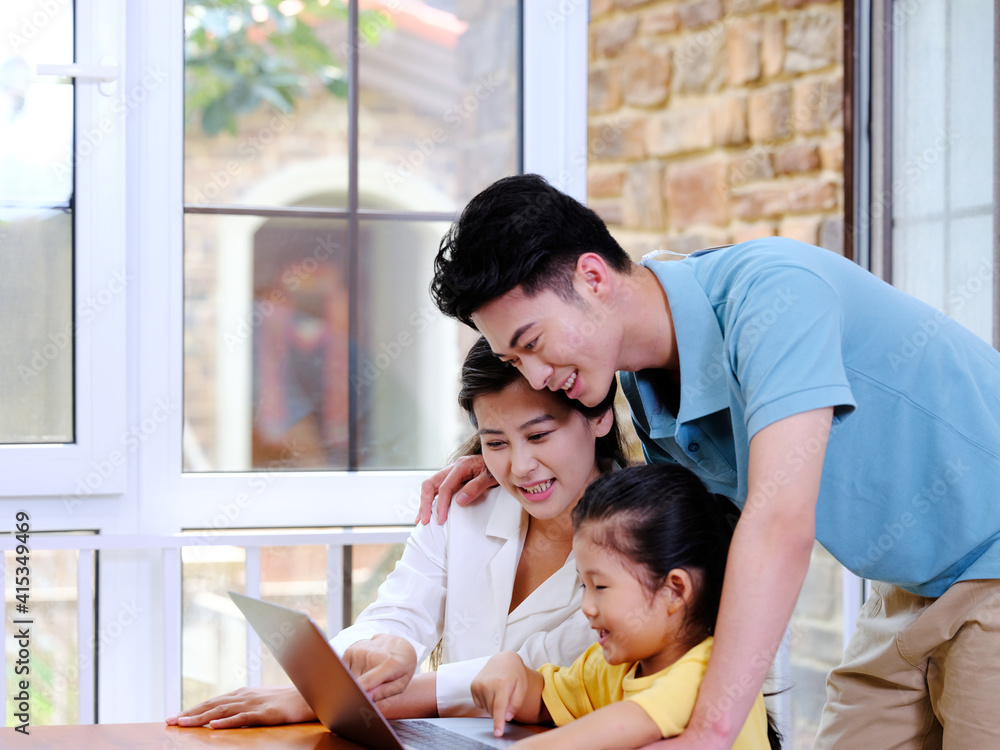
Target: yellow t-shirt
column 667, row 696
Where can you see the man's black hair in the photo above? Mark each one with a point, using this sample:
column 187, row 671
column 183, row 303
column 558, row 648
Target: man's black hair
column 520, row 231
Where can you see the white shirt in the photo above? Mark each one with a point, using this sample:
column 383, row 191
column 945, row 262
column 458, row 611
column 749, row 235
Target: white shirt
column 454, row 583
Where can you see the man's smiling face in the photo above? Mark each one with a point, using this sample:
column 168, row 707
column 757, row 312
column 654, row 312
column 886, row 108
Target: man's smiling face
column 555, row 343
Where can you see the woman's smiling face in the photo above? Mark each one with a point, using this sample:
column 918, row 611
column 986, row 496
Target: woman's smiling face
column 538, row 447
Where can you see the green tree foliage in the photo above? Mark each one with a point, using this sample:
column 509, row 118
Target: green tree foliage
column 241, row 54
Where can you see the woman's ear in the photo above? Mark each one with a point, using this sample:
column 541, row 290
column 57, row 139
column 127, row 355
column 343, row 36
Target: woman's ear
column 602, row 425
column 680, row 586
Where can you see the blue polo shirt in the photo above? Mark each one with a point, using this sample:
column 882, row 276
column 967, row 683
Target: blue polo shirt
column 910, row 492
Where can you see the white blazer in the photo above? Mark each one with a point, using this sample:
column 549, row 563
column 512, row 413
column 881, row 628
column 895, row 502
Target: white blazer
column 453, row 584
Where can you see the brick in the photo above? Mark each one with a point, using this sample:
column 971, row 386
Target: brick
column 832, row 109
column 616, row 138
column 700, row 60
column 750, row 165
column 643, row 198
column 647, row 73
column 599, row 8
column 609, row 211
column 678, row 131
column 812, row 196
column 729, row 121
column 660, row 21
column 697, row 194
column 689, row 242
column 772, row 48
column 636, row 244
column 769, row 114
column 801, row 228
column 743, row 42
column 831, row 155
column 759, row 203
column 796, row 158
column 812, row 41
column 831, row 234
column 747, row 232
column 742, row 7
column 605, row 183
column 610, row 37
column 807, row 105
column 701, row 13
column 604, row 88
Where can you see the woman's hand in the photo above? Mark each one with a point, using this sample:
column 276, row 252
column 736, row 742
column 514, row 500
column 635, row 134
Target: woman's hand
column 506, row 688
column 468, row 474
column 383, row 664
column 248, row 707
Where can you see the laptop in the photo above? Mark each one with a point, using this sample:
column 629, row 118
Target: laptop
column 333, row 693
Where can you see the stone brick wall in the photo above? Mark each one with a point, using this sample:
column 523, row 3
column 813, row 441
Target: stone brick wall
column 715, row 121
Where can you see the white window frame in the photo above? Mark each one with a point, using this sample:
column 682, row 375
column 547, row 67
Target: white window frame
column 555, row 56
column 156, row 497
column 95, row 463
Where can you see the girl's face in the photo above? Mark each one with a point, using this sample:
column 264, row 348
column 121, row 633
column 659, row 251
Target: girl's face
column 540, row 449
column 632, row 625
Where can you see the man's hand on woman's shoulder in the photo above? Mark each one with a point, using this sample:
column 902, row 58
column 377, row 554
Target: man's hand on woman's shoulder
column 468, row 475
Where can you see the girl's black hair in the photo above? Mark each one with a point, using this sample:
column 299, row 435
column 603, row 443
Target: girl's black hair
column 660, row 517
column 483, row 374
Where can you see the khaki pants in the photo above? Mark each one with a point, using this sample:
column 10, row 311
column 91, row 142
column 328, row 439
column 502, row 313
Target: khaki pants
column 919, row 673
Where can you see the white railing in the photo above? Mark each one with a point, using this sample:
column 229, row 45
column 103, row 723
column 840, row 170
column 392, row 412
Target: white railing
column 335, row 541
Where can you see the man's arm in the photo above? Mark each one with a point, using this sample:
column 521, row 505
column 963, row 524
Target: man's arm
column 468, row 475
column 767, row 564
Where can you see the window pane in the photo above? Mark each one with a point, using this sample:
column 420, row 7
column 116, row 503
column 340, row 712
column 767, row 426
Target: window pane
column 36, row 228
column 439, row 101
column 54, row 651
column 816, row 643
column 265, row 99
column 942, row 183
column 214, row 631
column 267, row 356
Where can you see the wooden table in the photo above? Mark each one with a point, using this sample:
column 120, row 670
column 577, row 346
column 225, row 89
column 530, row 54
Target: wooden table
column 159, row 736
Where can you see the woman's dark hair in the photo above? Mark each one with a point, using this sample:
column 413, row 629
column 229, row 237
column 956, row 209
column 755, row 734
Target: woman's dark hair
column 483, row 374
column 660, row 517
column 519, row 231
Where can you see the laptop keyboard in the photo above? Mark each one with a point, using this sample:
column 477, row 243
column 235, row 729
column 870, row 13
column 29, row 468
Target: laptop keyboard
column 421, row 735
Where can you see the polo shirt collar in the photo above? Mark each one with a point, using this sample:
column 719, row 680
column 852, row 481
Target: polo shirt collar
column 704, row 382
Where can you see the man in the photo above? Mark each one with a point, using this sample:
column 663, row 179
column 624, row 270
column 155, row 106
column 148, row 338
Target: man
column 824, row 402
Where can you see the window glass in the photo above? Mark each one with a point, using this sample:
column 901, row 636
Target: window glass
column 265, row 90
column 214, row 631
column 55, row 657
column 310, row 338
column 36, row 226
column 439, row 100
column 268, row 380
column 942, row 161
column 816, row 640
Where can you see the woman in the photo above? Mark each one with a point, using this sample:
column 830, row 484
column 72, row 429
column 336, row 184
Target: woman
column 498, row 576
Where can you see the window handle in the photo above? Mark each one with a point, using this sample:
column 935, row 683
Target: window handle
column 105, row 73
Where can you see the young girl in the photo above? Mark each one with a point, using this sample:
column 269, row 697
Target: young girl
column 498, row 576
column 650, row 545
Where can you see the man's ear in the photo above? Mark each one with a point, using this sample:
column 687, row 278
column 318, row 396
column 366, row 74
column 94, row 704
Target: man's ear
column 593, row 273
